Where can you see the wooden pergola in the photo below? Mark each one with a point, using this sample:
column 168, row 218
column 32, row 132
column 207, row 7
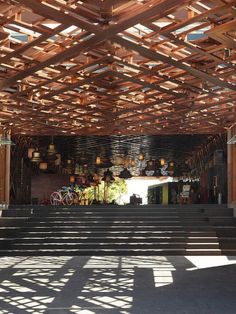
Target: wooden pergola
column 117, row 67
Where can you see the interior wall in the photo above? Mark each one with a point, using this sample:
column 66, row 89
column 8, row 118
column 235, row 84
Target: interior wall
column 43, row 185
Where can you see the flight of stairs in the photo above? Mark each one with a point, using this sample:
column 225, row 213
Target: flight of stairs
column 118, row 230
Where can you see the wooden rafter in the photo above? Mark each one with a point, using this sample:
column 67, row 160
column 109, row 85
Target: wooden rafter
column 117, row 67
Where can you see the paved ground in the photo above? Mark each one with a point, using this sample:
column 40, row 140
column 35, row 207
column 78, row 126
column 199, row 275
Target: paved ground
column 118, row 285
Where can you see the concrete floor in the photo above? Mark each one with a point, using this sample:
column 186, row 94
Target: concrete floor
column 118, row 285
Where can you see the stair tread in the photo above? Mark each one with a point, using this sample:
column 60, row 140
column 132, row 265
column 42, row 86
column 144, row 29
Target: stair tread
column 130, row 230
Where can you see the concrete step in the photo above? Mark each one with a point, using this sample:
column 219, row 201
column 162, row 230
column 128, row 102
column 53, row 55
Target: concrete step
column 98, row 228
column 118, row 252
column 110, row 239
column 100, row 224
column 115, row 230
column 9, row 231
column 128, row 234
column 114, row 246
column 13, row 221
column 222, row 221
column 16, row 212
column 113, row 217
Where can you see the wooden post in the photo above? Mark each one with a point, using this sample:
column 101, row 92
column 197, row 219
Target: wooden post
column 231, row 163
column 7, row 172
column 5, row 156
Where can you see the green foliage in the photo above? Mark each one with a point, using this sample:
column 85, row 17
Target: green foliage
column 115, row 191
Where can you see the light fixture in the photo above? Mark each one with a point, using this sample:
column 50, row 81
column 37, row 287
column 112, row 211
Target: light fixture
column 141, row 156
column 4, row 140
column 69, row 166
column 118, row 160
column 108, row 176
column 30, row 152
column 171, row 168
column 96, row 178
column 125, row 174
column 51, row 149
column 58, row 160
column 98, row 160
column 150, row 164
column 43, row 166
column 72, row 179
column 36, row 157
column 162, row 161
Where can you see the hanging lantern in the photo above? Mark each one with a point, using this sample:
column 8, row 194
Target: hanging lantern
column 162, row 161
column 43, row 166
column 150, row 164
column 72, row 179
column 69, row 162
column 171, row 168
column 118, row 160
column 96, row 178
column 141, row 156
column 125, row 174
column 108, row 176
column 58, row 160
column 36, row 157
column 51, row 149
column 69, row 166
column 30, row 152
column 5, row 139
column 98, row 160
column 132, row 163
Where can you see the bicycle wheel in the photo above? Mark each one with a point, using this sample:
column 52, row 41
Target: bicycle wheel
column 71, row 198
column 55, row 198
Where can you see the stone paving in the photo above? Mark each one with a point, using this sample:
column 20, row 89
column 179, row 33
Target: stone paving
column 118, row 285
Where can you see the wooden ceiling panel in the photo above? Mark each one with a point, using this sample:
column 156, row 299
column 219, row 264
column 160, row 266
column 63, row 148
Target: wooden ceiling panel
column 117, row 67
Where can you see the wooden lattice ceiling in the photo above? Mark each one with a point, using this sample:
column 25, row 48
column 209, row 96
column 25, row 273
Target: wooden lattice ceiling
column 117, row 67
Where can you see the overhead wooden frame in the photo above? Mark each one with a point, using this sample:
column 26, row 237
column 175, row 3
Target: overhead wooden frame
column 117, row 67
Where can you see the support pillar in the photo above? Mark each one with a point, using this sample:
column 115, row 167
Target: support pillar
column 5, row 156
column 231, row 163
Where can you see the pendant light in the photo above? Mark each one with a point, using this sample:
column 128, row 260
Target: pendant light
column 69, row 166
column 125, row 174
column 43, row 166
column 141, row 156
column 4, row 140
column 36, row 157
column 30, row 152
column 51, row 149
column 72, row 179
column 58, row 160
column 98, row 160
column 108, row 176
column 162, row 161
column 171, row 168
column 150, row 164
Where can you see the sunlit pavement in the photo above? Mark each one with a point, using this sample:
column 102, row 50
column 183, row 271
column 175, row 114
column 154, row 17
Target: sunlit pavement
column 95, row 285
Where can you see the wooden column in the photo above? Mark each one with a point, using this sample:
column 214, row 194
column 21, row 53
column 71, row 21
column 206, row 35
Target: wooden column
column 232, row 169
column 5, row 153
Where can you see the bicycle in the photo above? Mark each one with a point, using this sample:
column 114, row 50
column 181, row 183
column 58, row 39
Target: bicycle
column 64, row 196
